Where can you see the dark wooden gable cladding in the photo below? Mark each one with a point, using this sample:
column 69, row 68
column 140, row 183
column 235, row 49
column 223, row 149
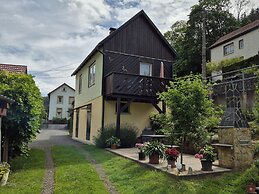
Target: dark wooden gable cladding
column 138, row 38
column 130, row 64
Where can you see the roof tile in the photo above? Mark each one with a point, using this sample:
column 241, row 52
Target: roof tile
column 13, row 68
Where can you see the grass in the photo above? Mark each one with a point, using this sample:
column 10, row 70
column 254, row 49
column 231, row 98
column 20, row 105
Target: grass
column 26, row 175
column 73, row 174
column 129, row 177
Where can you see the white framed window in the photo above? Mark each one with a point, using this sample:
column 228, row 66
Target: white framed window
column 228, row 49
column 59, row 113
column 145, row 69
column 241, row 44
column 91, row 78
column 80, row 84
column 64, row 89
column 60, row 100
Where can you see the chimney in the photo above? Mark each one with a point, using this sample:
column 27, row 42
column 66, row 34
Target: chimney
column 112, row 29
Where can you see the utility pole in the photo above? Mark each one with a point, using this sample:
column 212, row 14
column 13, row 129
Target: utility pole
column 203, row 63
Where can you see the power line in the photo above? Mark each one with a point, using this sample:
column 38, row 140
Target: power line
column 58, row 68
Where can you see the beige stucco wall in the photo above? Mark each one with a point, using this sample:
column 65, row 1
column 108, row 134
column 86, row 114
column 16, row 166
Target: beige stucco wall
column 251, row 47
column 89, row 93
column 96, row 121
column 138, row 116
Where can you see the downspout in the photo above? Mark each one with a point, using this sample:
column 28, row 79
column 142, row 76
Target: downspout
column 103, row 101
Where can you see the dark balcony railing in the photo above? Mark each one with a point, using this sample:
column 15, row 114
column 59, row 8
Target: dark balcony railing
column 135, row 85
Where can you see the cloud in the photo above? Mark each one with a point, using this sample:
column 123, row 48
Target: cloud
column 52, row 37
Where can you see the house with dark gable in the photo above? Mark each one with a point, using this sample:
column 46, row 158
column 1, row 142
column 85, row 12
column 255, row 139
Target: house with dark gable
column 118, row 82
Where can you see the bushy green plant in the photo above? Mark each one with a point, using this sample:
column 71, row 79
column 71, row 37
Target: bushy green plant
column 206, row 153
column 24, row 117
column 113, row 140
column 250, row 175
column 128, row 136
column 212, row 66
column 155, row 147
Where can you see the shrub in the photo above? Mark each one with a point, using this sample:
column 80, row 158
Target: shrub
column 161, row 123
column 56, row 120
column 127, row 139
column 113, row 140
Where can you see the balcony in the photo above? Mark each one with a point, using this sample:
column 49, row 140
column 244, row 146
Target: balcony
column 134, row 86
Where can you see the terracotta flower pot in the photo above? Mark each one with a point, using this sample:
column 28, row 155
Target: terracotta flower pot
column 250, row 188
column 171, row 162
column 154, row 159
column 113, row 146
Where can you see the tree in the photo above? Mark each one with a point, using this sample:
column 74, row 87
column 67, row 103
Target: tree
column 239, row 6
column 175, row 37
column 191, row 109
column 252, row 16
column 219, row 21
column 24, row 116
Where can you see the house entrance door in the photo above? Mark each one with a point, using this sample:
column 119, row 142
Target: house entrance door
column 88, row 121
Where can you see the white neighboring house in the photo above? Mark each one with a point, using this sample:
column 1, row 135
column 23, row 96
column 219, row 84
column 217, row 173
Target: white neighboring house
column 60, row 101
column 243, row 43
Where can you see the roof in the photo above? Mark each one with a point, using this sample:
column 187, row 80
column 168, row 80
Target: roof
column 13, row 68
column 241, row 31
column 64, row 84
column 100, row 44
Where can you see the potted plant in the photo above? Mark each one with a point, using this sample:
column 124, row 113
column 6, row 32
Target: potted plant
column 154, row 150
column 171, row 156
column 113, row 142
column 206, row 156
column 141, row 154
column 4, row 173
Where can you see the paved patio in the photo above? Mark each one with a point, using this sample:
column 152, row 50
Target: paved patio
column 188, row 160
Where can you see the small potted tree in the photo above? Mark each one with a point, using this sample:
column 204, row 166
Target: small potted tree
column 206, row 156
column 113, row 142
column 154, row 150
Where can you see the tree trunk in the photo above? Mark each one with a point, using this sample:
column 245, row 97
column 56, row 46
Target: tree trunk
column 5, row 149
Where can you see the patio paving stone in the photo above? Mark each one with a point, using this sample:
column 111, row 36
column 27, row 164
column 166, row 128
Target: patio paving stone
column 188, row 160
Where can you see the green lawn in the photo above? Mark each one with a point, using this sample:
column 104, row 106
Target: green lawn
column 27, row 174
column 130, row 177
column 73, row 174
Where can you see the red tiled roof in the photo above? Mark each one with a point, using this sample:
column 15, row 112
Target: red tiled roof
column 13, row 68
column 243, row 30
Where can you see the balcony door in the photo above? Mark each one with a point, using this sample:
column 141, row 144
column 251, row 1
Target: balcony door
column 88, row 121
column 145, row 69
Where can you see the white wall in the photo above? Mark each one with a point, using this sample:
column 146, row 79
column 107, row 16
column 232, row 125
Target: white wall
column 53, row 105
column 251, row 47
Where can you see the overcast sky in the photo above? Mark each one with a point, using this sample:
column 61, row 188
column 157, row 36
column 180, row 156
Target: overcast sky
column 52, row 37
